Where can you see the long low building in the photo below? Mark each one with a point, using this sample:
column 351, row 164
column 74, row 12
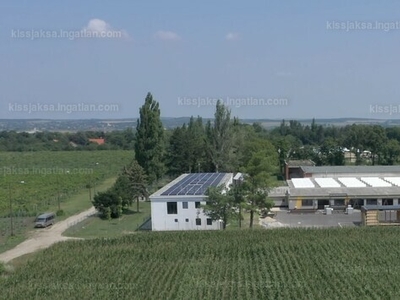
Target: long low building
column 339, row 186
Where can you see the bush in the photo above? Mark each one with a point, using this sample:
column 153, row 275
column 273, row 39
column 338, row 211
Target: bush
column 60, row 213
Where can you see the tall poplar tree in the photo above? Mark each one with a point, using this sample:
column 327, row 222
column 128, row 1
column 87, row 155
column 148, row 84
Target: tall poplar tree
column 219, row 138
column 150, row 145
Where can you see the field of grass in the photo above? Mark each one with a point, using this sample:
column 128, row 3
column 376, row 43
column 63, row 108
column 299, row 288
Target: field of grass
column 349, row 263
column 94, row 227
column 34, row 181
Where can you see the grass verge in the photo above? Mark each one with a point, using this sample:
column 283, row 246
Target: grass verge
column 94, row 227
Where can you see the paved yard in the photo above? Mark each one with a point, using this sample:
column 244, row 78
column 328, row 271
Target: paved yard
column 314, row 219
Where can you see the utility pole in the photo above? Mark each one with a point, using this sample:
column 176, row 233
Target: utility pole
column 58, row 193
column 94, row 184
column 90, row 191
column 11, row 211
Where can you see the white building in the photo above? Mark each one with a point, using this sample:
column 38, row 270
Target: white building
column 177, row 206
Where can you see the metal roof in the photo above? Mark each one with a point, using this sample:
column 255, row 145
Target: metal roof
column 380, row 207
column 388, row 192
column 354, row 192
column 350, row 169
column 300, row 163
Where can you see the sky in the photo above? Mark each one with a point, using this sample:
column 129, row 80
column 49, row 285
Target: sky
column 262, row 59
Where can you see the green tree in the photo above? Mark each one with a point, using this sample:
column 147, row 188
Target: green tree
column 150, row 145
column 258, row 176
column 392, row 152
column 108, row 204
column 137, row 182
column 219, row 138
column 177, row 160
column 220, row 205
column 376, row 140
column 195, row 137
column 331, row 153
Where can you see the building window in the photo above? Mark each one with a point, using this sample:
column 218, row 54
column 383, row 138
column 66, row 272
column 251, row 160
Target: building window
column 187, row 220
column 172, row 208
column 307, row 202
column 197, row 204
column 198, row 222
column 176, row 220
column 372, row 202
column 339, row 202
column 209, row 221
column 387, row 201
column 185, row 205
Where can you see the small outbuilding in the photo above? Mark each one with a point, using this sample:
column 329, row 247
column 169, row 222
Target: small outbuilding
column 380, row 215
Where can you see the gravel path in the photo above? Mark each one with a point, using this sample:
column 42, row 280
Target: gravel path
column 44, row 238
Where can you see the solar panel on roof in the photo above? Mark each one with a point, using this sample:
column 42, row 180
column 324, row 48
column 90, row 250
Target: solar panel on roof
column 194, row 184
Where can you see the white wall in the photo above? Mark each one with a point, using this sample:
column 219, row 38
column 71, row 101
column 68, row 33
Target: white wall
column 161, row 220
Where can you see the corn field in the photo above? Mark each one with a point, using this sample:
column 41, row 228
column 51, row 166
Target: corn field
column 349, row 263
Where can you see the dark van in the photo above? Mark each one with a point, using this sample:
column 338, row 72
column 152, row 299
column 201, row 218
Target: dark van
column 45, row 220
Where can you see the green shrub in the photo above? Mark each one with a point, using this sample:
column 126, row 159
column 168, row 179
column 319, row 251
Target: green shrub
column 60, row 213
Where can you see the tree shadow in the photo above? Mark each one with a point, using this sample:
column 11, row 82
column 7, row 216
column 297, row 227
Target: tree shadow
column 128, row 211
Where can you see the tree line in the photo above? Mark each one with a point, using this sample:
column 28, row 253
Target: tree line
column 327, row 145
column 68, row 141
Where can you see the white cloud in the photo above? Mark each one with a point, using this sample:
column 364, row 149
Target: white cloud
column 232, row 36
column 101, row 29
column 167, row 36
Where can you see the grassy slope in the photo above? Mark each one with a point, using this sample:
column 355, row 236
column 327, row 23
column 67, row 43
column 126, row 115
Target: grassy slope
column 349, row 263
column 95, row 227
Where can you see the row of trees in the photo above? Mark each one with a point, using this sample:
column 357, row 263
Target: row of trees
column 60, row 141
column 325, row 145
column 217, row 146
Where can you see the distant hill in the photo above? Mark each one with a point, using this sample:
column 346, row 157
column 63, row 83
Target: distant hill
column 34, row 125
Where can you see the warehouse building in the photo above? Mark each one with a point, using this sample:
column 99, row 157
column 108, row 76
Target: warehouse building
column 340, row 186
column 177, row 206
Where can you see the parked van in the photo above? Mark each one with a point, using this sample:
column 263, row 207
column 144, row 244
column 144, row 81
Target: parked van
column 45, row 220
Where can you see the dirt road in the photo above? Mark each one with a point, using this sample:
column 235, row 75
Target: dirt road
column 43, row 238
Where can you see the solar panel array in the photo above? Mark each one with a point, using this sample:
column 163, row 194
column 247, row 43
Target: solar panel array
column 327, row 182
column 194, row 184
column 393, row 180
column 351, row 182
column 302, row 183
column 375, row 182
